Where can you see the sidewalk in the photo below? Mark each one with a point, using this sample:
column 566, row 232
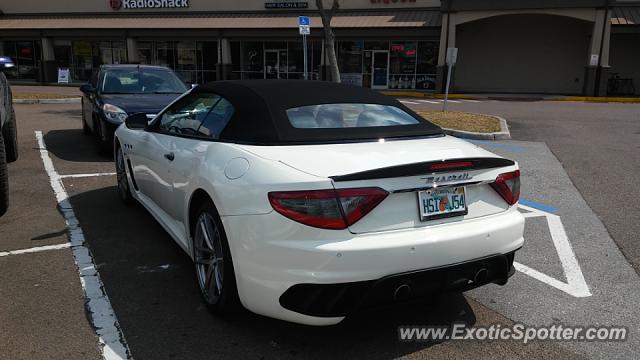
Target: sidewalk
column 41, row 89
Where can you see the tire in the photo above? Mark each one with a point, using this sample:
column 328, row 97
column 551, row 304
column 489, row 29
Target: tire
column 102, row 147
column 4, row 179
column 124, row 189
column 10, row 134
column 85, row 128
column 217, row 283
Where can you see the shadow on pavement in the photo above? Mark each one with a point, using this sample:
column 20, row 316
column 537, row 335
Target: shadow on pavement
column 83, row 149
column 152, row 287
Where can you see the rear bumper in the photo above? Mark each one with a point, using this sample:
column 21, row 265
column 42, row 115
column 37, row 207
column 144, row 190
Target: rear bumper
column 273, row 255
column 335, row 300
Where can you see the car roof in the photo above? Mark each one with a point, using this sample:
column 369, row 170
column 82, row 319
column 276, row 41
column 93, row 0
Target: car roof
column 261, row 106
column 133, row 66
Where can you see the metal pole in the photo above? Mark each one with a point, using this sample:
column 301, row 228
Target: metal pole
column 304, row 45
column 446, row 93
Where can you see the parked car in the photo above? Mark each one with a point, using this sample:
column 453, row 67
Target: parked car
column 8, row 133
column 116, row 91
column 305, row 201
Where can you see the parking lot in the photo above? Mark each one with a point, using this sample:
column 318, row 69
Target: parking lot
column 571, row 270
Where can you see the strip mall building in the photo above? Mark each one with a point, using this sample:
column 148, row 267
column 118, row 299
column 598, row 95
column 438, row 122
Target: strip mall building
column 505, row 46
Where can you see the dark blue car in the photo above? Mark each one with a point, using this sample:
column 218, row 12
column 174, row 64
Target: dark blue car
column 116, row 91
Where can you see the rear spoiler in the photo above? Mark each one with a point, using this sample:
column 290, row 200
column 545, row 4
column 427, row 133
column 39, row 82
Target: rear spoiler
column 428, row 167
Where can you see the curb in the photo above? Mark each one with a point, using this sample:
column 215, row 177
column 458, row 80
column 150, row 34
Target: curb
column 429, row 95
column 503, row 134
column 598, row 99
column 603, row 99
column 48, row 101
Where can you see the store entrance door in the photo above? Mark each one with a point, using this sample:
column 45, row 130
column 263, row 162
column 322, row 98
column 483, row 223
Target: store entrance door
column 380, row 69
column 272, row 64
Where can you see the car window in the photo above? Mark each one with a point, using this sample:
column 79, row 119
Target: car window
column 186, row 116
column 217, row 119
column 141, row 81
column 338, row 116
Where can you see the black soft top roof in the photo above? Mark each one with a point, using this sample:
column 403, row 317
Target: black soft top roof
column 260, row 112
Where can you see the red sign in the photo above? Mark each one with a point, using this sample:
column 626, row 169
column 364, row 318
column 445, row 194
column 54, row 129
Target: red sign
column 115, row 4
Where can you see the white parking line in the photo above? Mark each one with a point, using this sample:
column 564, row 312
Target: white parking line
column 86, row 175
column 428, row 101
column 471, row 101
column 113, row 344
column 454, row 101
column 409, row 102
column 36, row 249
column 575, row 284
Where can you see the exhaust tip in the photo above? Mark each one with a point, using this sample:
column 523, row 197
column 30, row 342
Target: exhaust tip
column 481, row 275
column 402, row 292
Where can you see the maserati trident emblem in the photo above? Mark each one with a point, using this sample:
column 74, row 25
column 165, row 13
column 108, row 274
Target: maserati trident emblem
column 115, row 4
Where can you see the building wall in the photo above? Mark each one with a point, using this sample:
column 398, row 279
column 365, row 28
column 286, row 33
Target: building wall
column 522, row 54
column 625, row 57
column 102, row 6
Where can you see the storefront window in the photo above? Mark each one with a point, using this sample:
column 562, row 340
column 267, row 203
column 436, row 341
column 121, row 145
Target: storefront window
column 350, row 57
column 145, row 53
column 376, row 45
column 165, row 54
column 186, row 61
column 427, row 63
column 402, row 65
column 26, row 56
column 252, row 60
column 207, row 61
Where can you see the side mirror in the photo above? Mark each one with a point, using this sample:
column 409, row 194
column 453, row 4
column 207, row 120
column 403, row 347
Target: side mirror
column 88, row 89
column 137, row 121
column 6, row 64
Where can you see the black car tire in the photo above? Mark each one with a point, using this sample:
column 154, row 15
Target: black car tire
column 4, row 179
column 102, row 147
column 124, row 190
column 85, row 127
column 226, row 303
column 10, row 134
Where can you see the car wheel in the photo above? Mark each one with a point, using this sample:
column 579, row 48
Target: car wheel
column 124, row 191
column 4, row 179
column 213, row 263
column 10, row 134
column 102, row 147
column 85, row 127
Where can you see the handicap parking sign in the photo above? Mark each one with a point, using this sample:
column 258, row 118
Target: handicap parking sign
column 303, row 21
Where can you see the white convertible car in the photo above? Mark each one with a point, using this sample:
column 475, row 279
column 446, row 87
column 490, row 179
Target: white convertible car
column 307, row 201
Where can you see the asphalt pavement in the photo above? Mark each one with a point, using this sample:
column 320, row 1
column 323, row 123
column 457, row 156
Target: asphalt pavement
column 598, row 145
column 152, row 289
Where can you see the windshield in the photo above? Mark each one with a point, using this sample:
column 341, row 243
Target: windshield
column 142, row 81
column 338, row 116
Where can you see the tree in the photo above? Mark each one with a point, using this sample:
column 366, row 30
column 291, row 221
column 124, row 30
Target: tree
column 329, row 37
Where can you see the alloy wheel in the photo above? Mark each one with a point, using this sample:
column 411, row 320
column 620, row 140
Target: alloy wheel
column 121, row 173
column 209, row 258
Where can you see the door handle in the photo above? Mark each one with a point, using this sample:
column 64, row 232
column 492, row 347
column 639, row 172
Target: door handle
column 170, row 156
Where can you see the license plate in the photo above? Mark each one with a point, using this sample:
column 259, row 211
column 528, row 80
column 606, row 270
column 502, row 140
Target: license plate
column 442, row 203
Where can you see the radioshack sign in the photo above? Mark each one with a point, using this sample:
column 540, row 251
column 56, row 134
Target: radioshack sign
column 148, row 4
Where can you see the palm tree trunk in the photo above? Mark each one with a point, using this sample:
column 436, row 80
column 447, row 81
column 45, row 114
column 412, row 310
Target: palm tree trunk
column 329, row 38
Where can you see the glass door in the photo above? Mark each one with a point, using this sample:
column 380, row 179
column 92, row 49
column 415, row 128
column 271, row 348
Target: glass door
column 271, row 64
column 380, row 69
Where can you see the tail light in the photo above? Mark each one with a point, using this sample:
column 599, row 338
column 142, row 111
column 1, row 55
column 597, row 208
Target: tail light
column 327, row 209
column 508, row 186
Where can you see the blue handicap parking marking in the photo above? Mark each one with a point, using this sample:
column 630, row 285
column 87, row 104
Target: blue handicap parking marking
column 535, row 205
column 507, row 147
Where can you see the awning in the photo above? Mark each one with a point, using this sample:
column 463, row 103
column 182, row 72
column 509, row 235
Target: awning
column 423, row 18
column 627, row 15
